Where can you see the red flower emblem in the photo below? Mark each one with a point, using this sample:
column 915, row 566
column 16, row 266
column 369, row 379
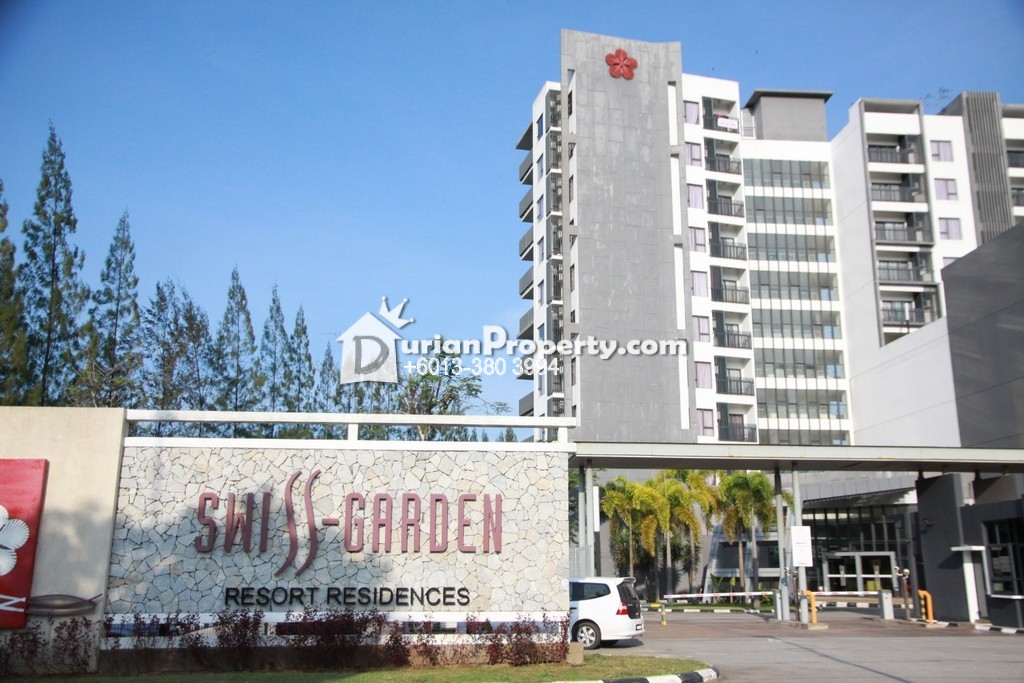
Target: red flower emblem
column 620, row 64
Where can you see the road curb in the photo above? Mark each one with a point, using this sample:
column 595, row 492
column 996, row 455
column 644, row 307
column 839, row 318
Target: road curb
column 1001, row 629
column 698, row 676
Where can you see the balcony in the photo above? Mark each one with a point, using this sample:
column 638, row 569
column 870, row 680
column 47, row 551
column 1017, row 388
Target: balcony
column 526, row 404
column 901, row 232
column 725, row 207
column 907, row 316
column 732, row 340
column 526, row 245
column 556, row 407
column 735, row 387
column 891, row 155
column 728, row 250
column 525, row 177
column 723, row 123
column 526, row 284
column 724, row 165
column 730, row 295
column 1017, row 196
column 526, row 207
column 526, row 325
column 524, row 369
column 728, row 432
column 1015, row 159
column 895, row 193
column 907, row 273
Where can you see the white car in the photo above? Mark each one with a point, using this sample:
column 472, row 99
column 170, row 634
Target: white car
column 603, row 609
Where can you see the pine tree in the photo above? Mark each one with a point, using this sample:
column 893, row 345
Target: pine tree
column 194, row 367
column 110, row 374
column 299, row 379
column 161, row 323
column 272, row 360
column 14, row 375
column 54, row 296
column 327, row 393
column 233, row 360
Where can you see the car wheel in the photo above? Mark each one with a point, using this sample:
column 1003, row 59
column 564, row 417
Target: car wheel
column 587, row 634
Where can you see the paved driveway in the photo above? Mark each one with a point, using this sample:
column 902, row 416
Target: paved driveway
column 746, row 647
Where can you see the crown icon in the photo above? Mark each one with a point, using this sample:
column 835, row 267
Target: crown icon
column 394, row 315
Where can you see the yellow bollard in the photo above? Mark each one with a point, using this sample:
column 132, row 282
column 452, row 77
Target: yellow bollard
column 927, row 605
column 663, row 622
column 814, row 610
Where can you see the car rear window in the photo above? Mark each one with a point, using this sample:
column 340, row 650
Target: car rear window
column 627, row 592
column 587, row 591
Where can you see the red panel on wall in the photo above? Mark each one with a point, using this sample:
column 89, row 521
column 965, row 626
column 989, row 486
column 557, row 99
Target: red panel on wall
column 22, row 490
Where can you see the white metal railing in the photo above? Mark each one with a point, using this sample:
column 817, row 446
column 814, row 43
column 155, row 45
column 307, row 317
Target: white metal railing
column 353, row 421
column 737, row 594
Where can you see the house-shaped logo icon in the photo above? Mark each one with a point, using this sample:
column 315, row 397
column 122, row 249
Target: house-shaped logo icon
column 368, row 347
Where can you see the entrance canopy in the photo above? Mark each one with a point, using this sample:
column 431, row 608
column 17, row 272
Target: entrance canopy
column 804, row 458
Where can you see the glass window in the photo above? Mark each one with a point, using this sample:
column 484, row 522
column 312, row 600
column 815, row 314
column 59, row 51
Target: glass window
column 695, row 198
column 701, row 328
column 949, row 228
column 703, row 375
column 540, row 126
column 691, row 112
column 698, row 239
column 705, row 422
column 942, row 150
column 693, row 154
column 1006, row 556
column 945, row 188
column 700, row 283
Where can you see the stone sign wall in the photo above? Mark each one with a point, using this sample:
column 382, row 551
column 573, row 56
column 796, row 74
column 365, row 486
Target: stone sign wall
column 203, row 529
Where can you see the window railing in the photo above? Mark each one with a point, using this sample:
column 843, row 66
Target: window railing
column 890, row 155
column 732, row 340
column 736, row 387
column 894, row 193
column 903, row 274
column 730, row 295
column 724, row 165
column 898, row 232
column 726, row 250
column 719, row 122
column 744, row 433
column 1015, row 159
column 907, row 316
column 725, row 207
column 1017, row 197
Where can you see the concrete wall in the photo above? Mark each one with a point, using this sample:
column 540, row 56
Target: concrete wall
column 790, row 118
column 83, row 446
column 625, row 250
column 985, row 301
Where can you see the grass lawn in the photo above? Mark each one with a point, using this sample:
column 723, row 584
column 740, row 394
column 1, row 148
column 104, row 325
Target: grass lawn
column 596, row 667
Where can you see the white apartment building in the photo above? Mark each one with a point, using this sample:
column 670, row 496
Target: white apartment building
column 659, row 205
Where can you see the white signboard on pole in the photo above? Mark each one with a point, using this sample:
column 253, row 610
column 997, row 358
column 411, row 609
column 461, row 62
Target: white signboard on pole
column 803, row 556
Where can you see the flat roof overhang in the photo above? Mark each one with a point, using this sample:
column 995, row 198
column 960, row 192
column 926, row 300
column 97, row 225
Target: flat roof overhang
column 803, row 458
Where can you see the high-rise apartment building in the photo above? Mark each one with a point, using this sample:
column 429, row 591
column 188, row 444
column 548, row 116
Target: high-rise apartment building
column 660, row 206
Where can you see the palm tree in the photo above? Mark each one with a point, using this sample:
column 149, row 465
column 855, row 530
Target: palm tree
column 620, row 505
column 746, row 499
column 655, row 517
column 694, row 510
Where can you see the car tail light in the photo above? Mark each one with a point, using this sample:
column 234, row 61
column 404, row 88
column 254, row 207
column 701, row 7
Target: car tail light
column 623, row 611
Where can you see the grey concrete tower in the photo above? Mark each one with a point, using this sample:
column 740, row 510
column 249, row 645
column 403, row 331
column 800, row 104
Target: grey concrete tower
column 619, row 219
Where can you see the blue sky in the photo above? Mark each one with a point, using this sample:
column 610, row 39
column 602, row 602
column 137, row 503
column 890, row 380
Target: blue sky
column 346, row 152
